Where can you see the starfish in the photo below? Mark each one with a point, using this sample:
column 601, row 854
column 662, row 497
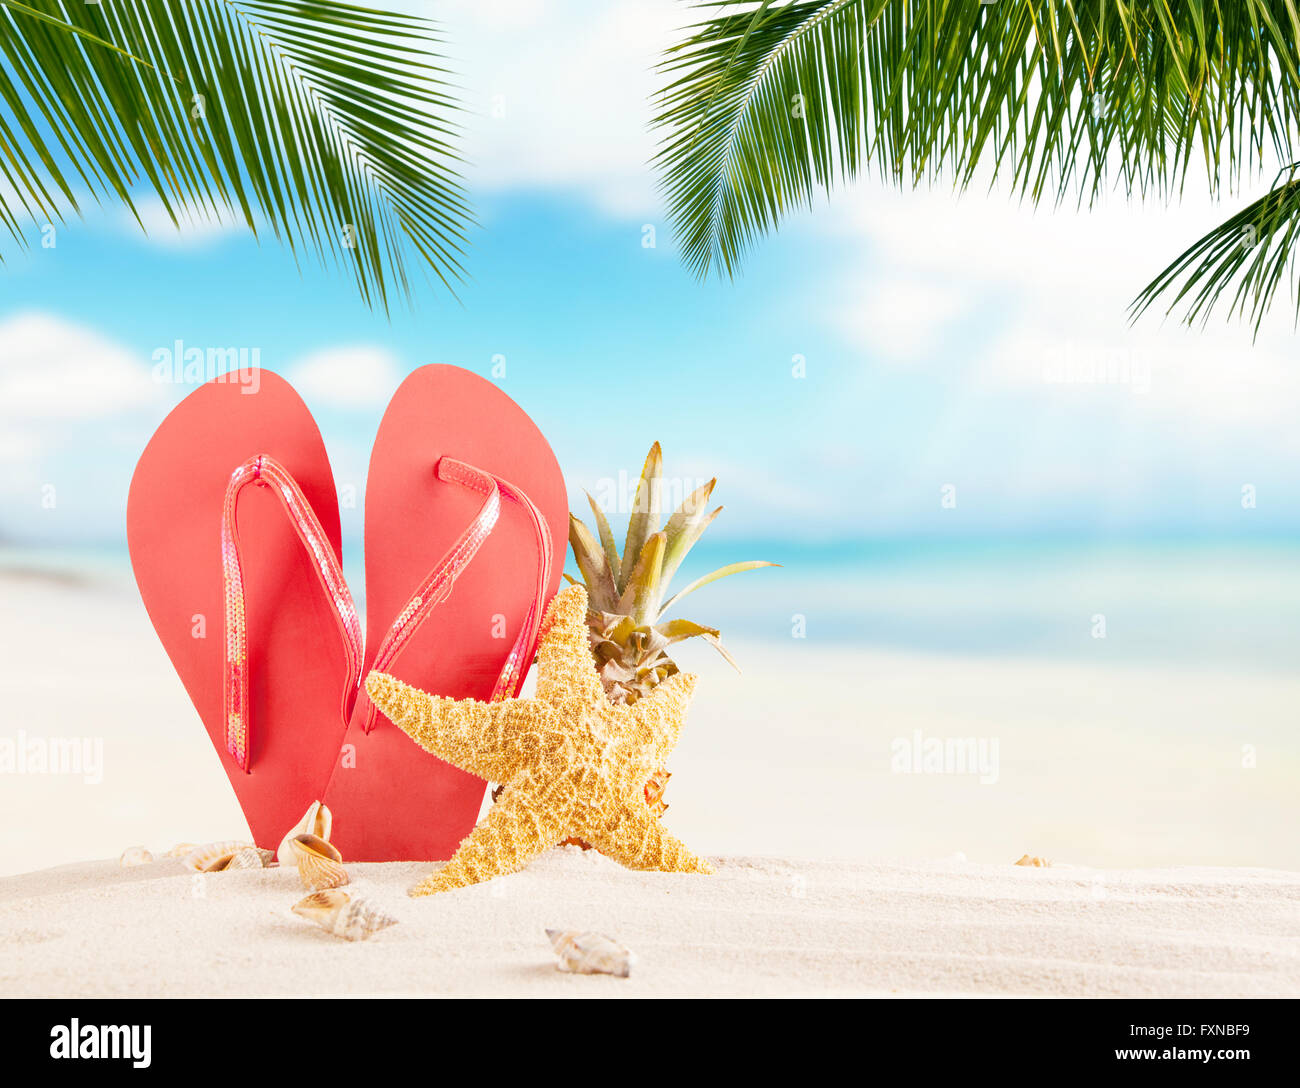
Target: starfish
column 572, row 763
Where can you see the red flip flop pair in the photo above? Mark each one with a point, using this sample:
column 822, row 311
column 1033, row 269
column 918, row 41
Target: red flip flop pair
column 233, row 526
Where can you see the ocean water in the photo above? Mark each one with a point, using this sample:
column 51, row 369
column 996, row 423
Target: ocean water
column 1143, row 602
column 1198, row 602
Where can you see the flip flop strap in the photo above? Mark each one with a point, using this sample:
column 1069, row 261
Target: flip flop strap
column 265, row 471
column 437, row 585
column 512, row 674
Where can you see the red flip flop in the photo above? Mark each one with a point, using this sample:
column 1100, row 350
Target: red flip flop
column 233, row 527
column 464, row 500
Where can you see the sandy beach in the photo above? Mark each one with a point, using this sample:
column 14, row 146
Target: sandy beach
column 1171, row 855
column 760, row 926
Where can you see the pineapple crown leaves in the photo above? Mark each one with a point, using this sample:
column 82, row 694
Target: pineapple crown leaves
column 627, row 592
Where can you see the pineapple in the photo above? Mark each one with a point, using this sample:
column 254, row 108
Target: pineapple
column 629, row 636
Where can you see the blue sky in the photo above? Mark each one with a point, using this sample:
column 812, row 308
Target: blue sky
column 943, row 339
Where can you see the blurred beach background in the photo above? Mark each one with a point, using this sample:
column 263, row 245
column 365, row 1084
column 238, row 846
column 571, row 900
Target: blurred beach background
column 1003, row 512
column 1169, row 742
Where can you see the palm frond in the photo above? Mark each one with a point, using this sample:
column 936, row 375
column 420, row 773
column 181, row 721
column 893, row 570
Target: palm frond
column 766, row 105
column 1255, row 249
column 325, row 124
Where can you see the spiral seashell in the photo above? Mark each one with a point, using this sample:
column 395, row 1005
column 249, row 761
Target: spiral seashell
column 135, row 855
column 318, row 821
column 590, row 953
column 181, row 850
column 338, row 913
column 1037, row 863
column 215, row 857
column 320, row 865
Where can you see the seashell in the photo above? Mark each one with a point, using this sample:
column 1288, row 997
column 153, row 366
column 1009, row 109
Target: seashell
column 318, row 821
column 654, row 792
column 338, row 913
column 248, row 858
column 215, row 857
column 590, row 953
column 1037, row 863
column 135, row 855
column 181, row 849
column 320, row 865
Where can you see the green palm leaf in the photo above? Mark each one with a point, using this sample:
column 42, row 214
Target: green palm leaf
column 325, row 125
column 766, row 105
column 1253, row 249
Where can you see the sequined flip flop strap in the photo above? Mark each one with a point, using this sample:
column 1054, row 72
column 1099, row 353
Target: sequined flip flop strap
column 437, row 585
column 512, row 674
column 265, row 471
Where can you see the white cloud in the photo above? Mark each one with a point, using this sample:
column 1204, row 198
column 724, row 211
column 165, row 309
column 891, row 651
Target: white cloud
column 558, row 93
column 62, row 385
column 1026, row 384
column 900, row 320
column 195, row 230
column 982, row 289
column 350, row 376
column 19, row 450
column 53, row 369
column 984, row 239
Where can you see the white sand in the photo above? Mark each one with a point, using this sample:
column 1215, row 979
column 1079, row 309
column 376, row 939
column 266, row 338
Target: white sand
column 1138, row 769
column 759, row 927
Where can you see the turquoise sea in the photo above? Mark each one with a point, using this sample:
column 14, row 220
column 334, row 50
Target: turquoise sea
column 1147, row 601
column 1200, row 602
